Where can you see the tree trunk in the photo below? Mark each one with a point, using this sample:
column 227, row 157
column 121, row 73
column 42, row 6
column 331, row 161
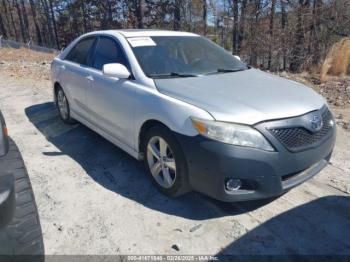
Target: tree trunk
column 298, row 50
column 6, row 14
column 283, row 25
column 102, row 15
column 109, row 14
column 84, row 16
column 36, row 24
column 190, row 16
column 12, row 21
column 242, row 25
column 271, row 28
column 177, row 15
column 3, row 31
column 314, row 38
column 254, row 40
column 205, row 11
column 25, row 19
column 50, row 35
column 235, row 28
column 138, row 14
column 54, row 24
column 19, row 12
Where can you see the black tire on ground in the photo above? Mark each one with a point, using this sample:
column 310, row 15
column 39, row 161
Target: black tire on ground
column 23, row 236
column 181, row 185
column 68, row 120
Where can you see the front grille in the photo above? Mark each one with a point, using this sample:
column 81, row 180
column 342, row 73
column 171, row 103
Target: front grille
column 299, row 138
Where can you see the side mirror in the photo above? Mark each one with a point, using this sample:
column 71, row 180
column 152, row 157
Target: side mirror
column 237, row 57
column 116, row 70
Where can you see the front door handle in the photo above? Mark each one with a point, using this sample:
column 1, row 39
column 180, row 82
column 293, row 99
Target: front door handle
column 91, row 78
column 63, row 67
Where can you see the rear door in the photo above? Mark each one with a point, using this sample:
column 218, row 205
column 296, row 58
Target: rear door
column 74, row 76
column 111, row 101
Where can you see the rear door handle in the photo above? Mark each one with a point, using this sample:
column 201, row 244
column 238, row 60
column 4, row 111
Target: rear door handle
column 91, row 78
column 63, row 67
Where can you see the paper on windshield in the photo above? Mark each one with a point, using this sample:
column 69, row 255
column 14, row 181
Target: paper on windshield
column 141, row 41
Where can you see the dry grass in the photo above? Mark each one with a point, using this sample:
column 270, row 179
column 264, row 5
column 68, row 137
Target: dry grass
column 337, row 62
column 23, row 62
column 24, row 54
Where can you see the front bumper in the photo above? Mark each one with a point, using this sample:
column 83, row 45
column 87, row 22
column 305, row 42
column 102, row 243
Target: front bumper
column 263, row 174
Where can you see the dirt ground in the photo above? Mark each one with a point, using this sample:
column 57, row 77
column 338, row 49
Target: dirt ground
column 95, row 199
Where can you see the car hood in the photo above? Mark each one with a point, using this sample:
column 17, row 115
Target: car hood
column 247, row 97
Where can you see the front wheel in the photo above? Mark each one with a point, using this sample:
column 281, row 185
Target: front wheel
column 165, row 162
column 63, row 107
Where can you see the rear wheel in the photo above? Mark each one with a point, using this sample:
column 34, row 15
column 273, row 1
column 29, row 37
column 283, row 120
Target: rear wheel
column 165, row 161
column 63, row 107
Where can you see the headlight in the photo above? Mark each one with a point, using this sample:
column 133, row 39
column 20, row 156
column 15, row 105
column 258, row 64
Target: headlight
column 234, row 134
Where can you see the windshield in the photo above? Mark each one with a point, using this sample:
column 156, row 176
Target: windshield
column 183, row 56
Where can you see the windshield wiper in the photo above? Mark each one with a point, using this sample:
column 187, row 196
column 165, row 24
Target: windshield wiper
column 171, row 74
column 224, row 70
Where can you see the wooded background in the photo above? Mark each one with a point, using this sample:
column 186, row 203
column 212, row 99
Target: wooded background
column 292, row 35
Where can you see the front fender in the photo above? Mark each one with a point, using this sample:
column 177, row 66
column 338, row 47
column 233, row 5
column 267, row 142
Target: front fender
column 173, row 113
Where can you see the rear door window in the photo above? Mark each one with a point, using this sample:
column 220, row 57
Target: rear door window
column 80, row 52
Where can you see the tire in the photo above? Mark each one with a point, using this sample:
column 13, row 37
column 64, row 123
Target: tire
column 65, row 116
column 180, row 185
column 23, row 236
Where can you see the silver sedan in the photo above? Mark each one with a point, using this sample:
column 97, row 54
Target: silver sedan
column 200, row 118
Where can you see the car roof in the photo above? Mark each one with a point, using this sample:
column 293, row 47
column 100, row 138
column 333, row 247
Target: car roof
column 149, row 32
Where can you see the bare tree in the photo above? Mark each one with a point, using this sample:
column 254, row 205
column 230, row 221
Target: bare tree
column 177, row 15
column 25, row 19
column 19, row 13
column 12, row 20
column 48, row 23
column 298, row 50
column 7, row 18
column 54, row 24
column 3, row 31
column 205, row 13
column 36, row 24
column 271, row 30
column 83, row 10
column 272, row 34
column 242, row 25
column 138, row 13
column 235, row 39
column 283, row 25
column 253, row 30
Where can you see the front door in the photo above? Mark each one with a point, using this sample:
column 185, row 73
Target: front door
column 111, row 100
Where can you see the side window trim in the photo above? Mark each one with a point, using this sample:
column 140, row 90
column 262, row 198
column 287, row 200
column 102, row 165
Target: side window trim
column 92, row 51
column 119, row 46
column 94, row 37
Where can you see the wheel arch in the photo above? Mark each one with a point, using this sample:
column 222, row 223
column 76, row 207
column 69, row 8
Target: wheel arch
column 159, row 109
column 147, row 125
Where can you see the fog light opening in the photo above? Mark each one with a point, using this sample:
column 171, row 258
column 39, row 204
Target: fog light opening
column 233, row 184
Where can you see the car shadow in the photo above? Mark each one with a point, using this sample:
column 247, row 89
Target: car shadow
column 320, row 227
column 117, row 171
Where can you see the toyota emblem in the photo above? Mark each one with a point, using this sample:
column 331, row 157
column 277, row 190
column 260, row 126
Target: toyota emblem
column 316, row 122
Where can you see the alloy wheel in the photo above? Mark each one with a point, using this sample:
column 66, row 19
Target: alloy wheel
column 62, row 104
column 161, row 162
